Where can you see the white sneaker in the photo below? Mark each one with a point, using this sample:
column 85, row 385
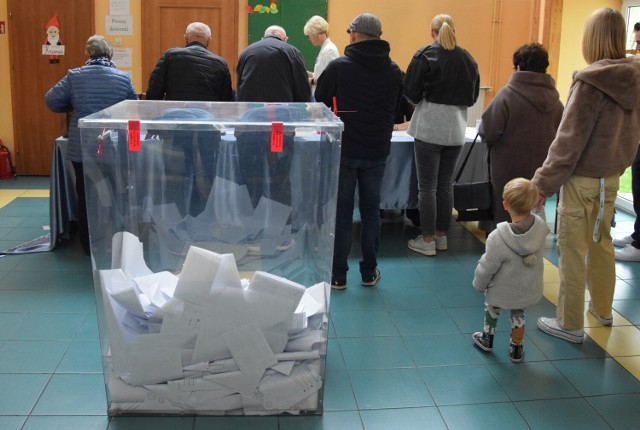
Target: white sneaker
column 602, row 319
column 628, row 253
column 441, row 242
column 419, row 245
column 623, row 241
column 551, row 327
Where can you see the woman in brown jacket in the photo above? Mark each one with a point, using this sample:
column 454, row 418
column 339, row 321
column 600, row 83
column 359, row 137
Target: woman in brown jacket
column 597, row 139
column 520, row 122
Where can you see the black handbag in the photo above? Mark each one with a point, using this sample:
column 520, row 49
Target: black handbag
column 473, row 200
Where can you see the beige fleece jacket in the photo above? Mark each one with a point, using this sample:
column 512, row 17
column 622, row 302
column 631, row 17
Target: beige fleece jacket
column 600, row 128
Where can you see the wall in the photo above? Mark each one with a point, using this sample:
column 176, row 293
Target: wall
column 574, row 15
column 6, row 116
column 405, row 25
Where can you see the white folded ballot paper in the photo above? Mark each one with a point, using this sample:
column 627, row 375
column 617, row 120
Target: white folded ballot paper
column 207, row 341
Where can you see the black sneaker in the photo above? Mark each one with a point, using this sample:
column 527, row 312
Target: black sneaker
column 338, row 283
column 371, row 280
column 516, row 352
column 483, row 340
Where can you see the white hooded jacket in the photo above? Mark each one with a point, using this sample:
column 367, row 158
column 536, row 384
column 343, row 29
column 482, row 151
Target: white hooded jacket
column 510, row 271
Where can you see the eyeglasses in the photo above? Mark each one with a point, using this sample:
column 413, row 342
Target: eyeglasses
column 349, row 30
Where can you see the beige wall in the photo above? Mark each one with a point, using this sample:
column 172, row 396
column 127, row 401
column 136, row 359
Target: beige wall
column 574, row 15
column 405, row 25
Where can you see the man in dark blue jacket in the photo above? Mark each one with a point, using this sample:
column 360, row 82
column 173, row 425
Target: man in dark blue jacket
column 364, row 87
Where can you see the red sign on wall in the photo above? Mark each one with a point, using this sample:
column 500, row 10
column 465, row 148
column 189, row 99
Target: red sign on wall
column 3, row 27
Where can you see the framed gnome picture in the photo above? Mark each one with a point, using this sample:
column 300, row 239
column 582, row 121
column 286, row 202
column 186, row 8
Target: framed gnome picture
column 52, row 44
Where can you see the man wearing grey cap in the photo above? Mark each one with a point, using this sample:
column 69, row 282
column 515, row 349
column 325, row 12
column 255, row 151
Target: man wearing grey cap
column 364, row 88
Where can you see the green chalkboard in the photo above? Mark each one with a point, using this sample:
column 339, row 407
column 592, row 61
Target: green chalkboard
column 291, row 15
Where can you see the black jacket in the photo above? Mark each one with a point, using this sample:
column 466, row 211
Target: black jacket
column 192, row 73
column 271, row 70
column 367, row 87
column 443, row 77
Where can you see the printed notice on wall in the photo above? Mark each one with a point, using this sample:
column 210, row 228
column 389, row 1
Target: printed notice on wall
column 122, row 57
column 119, row 24
column 119, row 7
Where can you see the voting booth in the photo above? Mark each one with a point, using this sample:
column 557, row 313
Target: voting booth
column 211, row 228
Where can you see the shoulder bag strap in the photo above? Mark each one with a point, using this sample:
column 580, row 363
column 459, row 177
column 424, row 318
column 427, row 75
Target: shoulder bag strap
column 466, row 157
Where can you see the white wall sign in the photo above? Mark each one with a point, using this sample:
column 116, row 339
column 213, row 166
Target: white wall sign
column 122, row 57
column 119, row 24
column 119, row 7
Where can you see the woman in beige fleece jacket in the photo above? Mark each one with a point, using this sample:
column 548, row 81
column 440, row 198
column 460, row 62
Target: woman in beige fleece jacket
column 596, row 140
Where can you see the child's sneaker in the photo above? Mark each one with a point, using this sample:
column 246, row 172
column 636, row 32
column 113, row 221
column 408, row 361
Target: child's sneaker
column 419, row 245
column 483, row 340
column 516, row 352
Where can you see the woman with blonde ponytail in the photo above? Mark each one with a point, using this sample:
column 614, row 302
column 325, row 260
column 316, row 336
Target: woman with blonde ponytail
column 443, row 81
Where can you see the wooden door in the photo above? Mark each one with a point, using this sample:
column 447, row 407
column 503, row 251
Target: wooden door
column 164, row 23
column 32, row 74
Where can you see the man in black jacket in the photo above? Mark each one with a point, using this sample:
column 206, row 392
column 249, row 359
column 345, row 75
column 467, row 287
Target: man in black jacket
column 271, row 70
column 192, row 73
column 365, row 88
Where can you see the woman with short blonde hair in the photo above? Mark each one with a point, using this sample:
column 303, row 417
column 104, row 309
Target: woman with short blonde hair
column 317, row 31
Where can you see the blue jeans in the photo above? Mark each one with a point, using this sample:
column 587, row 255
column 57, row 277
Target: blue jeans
column 435, row 165
column 367, row 175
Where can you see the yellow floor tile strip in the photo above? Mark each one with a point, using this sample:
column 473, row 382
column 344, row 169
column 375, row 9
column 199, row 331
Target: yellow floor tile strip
column 621, row 341
column 7, row 196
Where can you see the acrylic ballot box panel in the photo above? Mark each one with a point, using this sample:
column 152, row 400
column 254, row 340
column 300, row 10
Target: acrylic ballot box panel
column 211, row 229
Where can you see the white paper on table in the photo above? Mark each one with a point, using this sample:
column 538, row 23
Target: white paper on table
column 114, row 316
column 249, row 348
column 284, row 367
column 312, row 302
column 182, row 316
column 120, row 392
column 298, row 322
column 127, row 254
column 200, row 384
column 206, row 401
column 221, row 366
column 272, row 214
column 154, row 365
column 123, row 291
column 158, row 287
column 298, row 355
column 277, row 286
column 305, row 340
column 282, row 392
column 163, row 393
column 236, row 380
column 197, row 275
column 233, row 308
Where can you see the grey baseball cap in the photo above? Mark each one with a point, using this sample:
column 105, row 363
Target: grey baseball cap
column 366, row 23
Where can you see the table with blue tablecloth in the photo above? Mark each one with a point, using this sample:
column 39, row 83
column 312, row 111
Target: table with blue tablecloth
column 399, row 187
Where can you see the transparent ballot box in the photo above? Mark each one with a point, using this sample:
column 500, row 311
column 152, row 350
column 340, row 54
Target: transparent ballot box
column 211, row 228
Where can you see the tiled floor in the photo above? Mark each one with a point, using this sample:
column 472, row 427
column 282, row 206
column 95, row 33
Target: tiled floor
column 400, row 354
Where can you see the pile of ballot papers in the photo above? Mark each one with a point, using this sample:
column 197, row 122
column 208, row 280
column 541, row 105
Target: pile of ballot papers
column 207, row 341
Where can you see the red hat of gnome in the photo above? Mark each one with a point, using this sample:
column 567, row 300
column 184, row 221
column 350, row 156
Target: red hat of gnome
column 53, row 22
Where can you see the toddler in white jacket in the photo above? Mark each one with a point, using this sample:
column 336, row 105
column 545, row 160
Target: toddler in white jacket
column 511, row 268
